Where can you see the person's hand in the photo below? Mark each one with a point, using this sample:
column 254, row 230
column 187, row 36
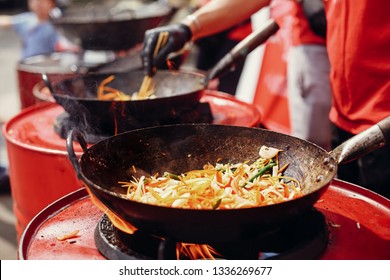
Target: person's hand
column 178, row 36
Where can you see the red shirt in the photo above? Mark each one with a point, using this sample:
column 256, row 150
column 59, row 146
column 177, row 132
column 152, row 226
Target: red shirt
column 291, row 19
column 240, row 31
column 358, row 42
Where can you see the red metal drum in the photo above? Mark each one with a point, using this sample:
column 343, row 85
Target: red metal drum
column 30, row 70
column 56, row 65
column 40, row 171
column 357, row 221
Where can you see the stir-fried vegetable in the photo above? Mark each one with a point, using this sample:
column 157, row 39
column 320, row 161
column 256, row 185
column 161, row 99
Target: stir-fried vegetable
column 218, row 186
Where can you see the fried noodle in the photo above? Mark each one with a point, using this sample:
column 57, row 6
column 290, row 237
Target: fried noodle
column 105, row 92
column 218, row 186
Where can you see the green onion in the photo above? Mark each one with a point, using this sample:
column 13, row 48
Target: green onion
column 172, row 176
column 216, row 205
column 261, row 171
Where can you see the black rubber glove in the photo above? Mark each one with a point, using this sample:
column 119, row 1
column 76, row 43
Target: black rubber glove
column 179, row 35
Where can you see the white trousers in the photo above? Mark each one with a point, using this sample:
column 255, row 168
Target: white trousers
column 309, row 94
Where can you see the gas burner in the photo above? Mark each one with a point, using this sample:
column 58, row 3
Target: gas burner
column 64, row 122
column 115, row 244
column 306, row 238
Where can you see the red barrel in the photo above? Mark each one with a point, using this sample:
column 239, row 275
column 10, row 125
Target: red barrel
column 57, row 66
column 39, row 168
column 30, row 72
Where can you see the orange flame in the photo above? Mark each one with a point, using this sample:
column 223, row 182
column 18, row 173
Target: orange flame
column 183, row 250
column 117, row 221
column 196, row 251
column 122, row 114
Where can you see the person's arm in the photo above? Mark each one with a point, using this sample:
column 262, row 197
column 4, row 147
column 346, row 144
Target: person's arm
column 5, row 21
column 215, row 16
column 219, row 15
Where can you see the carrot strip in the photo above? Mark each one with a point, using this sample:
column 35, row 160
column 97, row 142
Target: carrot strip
column 218, row 186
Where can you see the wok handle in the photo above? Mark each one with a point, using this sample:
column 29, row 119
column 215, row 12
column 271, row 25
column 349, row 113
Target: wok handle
column 242, row 49
column 75, row 134
column 369, row 140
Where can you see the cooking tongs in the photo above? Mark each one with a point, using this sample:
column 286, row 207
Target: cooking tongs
column 147, row 87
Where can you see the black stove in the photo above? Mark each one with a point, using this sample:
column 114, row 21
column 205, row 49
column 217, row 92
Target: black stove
column 305, row 238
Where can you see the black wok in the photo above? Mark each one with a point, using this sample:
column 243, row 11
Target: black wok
column 176, row 92
column 180, row 148
column 110, row 27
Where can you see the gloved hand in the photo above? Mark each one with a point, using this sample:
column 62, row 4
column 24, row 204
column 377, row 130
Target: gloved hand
column 178, row 36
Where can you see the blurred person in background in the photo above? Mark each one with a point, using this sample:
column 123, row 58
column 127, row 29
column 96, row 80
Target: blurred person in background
column 38, row 35
column 359, row 74
column 358, row 41
column 308, row 85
